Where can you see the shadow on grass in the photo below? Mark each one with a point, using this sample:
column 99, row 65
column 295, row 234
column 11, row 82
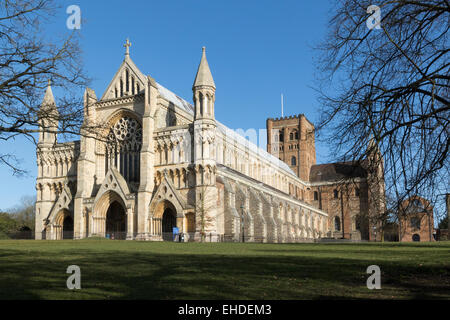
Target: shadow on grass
column 148, row 275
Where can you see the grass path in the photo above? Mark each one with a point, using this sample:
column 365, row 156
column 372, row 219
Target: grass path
column 164, row 270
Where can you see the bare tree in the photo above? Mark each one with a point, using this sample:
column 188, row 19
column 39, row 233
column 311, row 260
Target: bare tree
column 390, row 84
column 24, row 212
column 29, row 59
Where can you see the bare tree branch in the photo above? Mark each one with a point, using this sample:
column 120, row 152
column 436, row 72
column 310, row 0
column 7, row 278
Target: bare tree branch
column 390, row 85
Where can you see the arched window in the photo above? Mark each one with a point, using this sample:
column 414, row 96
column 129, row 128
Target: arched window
column 207, row 107
column 337, row 223
column 294, row 135
column 316, row 195
column 335, row 193
column 123, row 148
column 281, row 136
column 357, row 192
column 201, row 102
column 127, row 81
column 293, row 161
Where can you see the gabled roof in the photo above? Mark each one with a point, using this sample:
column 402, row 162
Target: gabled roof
column 113, row 181
column 133, row 69
column 176, row 100
column 167, row 191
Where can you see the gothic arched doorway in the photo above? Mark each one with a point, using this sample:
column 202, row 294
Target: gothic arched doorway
column 169, row 221
column 62, row 226
column 116, row 221
column 67, row 232
column 164, row 216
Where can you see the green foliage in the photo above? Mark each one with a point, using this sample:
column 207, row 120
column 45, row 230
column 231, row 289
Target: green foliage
column 7, row 223
column 4, row 236
column 17, row 219
column 24, row 213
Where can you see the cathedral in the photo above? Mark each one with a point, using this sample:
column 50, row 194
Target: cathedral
column 158, row 167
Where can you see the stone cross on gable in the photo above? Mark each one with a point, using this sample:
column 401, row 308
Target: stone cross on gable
column 127, row 45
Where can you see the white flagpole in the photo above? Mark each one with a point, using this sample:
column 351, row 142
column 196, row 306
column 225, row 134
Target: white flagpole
column 282, row 113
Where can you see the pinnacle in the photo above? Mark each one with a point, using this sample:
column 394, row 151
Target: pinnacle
column 204, row 76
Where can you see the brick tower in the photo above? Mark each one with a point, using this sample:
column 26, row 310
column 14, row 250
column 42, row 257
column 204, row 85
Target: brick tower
column 291, row 139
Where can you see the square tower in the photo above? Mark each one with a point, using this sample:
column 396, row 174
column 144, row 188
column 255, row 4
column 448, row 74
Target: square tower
column 291, row 139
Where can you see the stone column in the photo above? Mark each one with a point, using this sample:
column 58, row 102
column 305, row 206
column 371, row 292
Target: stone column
column 130, row 223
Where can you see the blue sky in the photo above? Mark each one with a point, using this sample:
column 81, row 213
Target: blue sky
column 256, row 51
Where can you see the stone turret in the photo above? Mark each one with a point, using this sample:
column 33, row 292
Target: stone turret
column 204, row 145
column 48, row 127
column 204, row 121
column 48, row 119
column 204, row 90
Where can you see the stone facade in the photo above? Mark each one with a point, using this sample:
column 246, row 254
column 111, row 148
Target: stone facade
column 157, row 162
column 352, row 194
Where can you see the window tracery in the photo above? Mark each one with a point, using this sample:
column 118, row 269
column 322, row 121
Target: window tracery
column 123, row 148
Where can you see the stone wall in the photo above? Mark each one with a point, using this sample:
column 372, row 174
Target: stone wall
column 254, row 212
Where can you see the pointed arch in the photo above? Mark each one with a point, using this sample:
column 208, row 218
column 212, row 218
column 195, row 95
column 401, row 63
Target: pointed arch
column 109, row 215
column 167, row 191
column 133, row 71
column 61, row 226
column 113, row 182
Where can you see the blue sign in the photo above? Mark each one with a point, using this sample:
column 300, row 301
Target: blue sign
column 176, row 230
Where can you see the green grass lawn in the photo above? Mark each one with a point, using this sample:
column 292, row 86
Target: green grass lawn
column 164, row 270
